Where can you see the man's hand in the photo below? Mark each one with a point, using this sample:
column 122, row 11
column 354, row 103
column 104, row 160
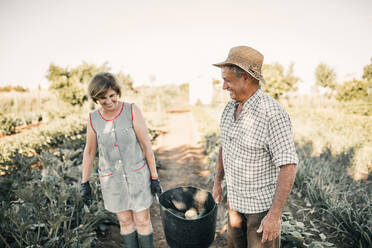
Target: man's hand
column 156, row 187
column 86, row 193
column 217, row 191
column 270, row 225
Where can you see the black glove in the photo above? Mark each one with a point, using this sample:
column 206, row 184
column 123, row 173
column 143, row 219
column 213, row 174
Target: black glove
column 156, row 187
column 86, row 193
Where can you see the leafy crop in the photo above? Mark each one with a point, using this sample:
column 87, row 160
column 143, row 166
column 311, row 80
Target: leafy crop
column 45, row 209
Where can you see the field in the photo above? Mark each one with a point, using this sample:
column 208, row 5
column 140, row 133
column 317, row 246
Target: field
column 42, row 139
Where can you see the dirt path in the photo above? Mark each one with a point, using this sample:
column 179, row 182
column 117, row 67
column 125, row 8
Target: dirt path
column 182, row 163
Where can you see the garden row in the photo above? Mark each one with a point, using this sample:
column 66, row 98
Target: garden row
column 40, row 188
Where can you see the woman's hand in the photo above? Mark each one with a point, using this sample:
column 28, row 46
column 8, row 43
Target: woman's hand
column 156, row 187
column 86, row 193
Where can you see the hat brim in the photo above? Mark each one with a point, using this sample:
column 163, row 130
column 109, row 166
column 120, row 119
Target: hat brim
column 222, row 64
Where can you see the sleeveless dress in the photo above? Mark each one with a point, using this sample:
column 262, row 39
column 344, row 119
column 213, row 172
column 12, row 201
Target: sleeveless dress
column 123, row 171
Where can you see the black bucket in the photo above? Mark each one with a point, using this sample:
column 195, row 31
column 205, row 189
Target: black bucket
column 188, row 233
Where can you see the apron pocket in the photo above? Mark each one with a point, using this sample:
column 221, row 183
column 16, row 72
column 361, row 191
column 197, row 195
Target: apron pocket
column 139, row 175
column 139, row 166
column 106, row 180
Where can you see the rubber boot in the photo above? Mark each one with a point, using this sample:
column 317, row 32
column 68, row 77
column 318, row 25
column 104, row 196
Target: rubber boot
column 146, row 241
column 130, row 240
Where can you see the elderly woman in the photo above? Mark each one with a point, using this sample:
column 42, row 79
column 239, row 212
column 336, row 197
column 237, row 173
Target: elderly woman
column 127, row 169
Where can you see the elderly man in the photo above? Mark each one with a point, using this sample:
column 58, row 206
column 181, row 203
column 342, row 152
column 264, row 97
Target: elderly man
column 257, row 155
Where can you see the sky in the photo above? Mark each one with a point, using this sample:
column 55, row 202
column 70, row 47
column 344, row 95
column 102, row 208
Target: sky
column 169, row 41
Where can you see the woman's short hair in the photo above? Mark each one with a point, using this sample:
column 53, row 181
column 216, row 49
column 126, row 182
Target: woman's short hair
column 101, row 83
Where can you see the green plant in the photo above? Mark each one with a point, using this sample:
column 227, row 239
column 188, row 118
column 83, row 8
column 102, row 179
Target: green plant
column 344, row 203
column 353, row 223
column 32, row 142
column 352, row 90
column 8, row 125
column 47, row 209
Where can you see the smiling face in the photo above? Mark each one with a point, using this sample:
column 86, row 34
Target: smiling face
column 238, row 87
column 109, row 101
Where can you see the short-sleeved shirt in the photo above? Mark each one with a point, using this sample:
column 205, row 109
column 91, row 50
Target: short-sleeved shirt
column 253, row 148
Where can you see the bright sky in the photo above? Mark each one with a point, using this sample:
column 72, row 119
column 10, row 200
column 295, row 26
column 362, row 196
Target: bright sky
column 177, row 41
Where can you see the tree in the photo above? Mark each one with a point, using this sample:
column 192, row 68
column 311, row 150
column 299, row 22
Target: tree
column 126, row 81
column 70, row 85
column 184, row 88
column 325, row 77
column 278, row 83
column 352, row 90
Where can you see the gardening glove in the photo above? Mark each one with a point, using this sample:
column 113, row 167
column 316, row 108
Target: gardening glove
column 156, row 187
column 86, row 193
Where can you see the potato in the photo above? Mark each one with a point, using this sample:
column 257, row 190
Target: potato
column 191, row 214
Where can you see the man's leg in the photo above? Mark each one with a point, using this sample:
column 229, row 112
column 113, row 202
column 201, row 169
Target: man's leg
column 236, row 230
column 254, row 238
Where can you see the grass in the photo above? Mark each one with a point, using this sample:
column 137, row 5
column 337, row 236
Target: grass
column 337, row 131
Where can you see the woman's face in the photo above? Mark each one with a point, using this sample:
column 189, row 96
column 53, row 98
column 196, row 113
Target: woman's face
column 109, row 101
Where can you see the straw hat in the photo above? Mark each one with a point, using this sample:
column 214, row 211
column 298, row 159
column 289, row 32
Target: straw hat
column 246, row 58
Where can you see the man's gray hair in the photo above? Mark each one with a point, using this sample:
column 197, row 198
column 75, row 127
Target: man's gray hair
column 236, row 69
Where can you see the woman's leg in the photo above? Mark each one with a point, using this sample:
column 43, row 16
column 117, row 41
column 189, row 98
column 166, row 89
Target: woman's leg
column 143, row 222
column 144, row 228
column 126, row 222
column 127, row 229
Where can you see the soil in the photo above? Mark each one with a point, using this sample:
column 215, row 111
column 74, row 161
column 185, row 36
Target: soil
column 182, row 163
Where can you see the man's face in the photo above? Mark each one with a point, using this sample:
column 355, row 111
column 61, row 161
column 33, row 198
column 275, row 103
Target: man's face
column 236, row 86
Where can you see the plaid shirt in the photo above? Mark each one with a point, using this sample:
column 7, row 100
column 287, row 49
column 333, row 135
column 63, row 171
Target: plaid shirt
column 253, row 148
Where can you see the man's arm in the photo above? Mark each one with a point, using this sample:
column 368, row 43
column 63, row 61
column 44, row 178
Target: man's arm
column 220, row 173
column 284, row 185
column 270, row 225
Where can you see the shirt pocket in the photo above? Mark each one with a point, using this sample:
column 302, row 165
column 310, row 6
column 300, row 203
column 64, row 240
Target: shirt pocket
column 251, row 143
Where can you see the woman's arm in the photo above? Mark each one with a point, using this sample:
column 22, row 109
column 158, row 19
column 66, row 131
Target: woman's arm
column 142, row 134
column 89, row 152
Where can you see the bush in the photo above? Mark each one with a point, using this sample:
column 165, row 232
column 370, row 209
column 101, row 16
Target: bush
column 278, row 83
column 70, row 85
column 352, row 90
column 8, row 125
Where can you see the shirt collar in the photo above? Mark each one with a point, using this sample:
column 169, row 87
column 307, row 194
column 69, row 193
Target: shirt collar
column 251, row 101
